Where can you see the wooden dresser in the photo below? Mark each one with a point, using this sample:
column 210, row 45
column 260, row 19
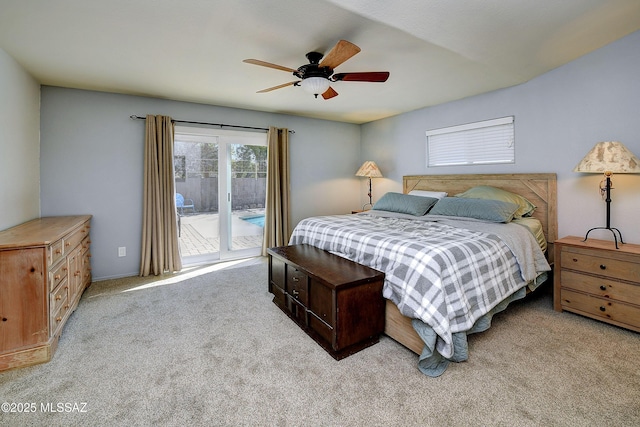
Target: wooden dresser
column 337, row 302
column 595, row 279
column 44, row 268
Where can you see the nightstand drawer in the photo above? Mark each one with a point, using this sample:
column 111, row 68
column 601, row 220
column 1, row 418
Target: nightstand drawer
column 603, row 308
column 598, row 286
column 589, row 262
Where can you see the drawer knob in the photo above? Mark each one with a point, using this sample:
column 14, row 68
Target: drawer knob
column 295, row 293
column 58, row 297
column 603, row 267
column 602, row 308
column 58, row 319
column 296, row 279
column 603, row 288
column 56, row 277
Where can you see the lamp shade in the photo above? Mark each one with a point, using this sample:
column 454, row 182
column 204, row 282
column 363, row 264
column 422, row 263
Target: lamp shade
column 369, row 169
column 315, row 85
column 609, row 157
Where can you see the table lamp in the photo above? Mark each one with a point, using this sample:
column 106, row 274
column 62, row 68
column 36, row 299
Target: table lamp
column 370, row 170
column 608, row 157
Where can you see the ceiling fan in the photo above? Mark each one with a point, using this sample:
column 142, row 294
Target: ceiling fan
column 316, row 76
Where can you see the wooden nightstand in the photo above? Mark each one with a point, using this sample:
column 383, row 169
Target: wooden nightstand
column 596, row 280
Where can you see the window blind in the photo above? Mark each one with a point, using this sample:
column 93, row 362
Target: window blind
column 486, row 142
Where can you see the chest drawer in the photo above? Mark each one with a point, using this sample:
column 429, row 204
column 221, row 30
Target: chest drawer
column 592, row 262
column 297, row 285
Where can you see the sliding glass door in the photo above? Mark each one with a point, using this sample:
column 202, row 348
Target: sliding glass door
column 220, row 193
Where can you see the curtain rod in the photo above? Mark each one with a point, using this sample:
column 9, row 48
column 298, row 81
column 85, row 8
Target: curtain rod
column 134, row 117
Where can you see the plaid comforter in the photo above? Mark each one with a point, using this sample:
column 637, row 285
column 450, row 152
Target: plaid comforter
column 446, row 276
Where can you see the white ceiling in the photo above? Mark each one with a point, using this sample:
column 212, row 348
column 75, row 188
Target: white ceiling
column 192, row 50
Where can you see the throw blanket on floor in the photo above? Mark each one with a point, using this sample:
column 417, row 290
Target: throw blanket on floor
column 445, row 276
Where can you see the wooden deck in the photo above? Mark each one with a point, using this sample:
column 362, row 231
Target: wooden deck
column 198, row 236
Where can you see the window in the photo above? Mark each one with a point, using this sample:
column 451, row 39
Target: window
column 486, row 142
column 179, row 167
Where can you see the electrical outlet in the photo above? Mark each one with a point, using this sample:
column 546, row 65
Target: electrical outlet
column 122, row 251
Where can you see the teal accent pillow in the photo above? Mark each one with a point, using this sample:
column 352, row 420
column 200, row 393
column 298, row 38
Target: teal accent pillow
column 525, row 207
column 484, row 209
column 404, row 203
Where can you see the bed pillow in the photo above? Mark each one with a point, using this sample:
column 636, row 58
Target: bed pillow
column 525, row 207
column 425, row 193
column 484, row 209
column 404, row 203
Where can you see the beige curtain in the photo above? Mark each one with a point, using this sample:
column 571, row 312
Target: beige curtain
column 160, row 250
column 277, row 222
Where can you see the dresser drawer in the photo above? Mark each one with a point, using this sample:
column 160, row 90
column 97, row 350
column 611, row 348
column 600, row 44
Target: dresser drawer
column 55, row 252
column 59, row 296
column 59, row 305
column 602, row 287
column 57, row 275
column 591, row 262
column 74, row 239
column 606, row 309
column 297, row 285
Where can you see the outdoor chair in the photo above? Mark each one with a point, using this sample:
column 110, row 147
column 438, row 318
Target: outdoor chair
column 181, row 206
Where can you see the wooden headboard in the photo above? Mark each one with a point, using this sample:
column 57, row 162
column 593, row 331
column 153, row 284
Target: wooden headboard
column 539, row 188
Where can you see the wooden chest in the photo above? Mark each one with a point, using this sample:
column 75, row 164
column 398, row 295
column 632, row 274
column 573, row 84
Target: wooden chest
column 336, row 301
column 597, row 280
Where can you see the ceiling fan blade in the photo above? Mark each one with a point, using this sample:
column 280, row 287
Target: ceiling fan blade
column 268, row 64
column 374, row 76
column 278, row 87
column 329, row 93
column 342, row 51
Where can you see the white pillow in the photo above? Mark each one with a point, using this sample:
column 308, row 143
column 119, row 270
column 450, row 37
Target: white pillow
column 424, row 193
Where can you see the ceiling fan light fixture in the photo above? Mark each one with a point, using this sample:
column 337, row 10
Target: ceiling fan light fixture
column 315, row 85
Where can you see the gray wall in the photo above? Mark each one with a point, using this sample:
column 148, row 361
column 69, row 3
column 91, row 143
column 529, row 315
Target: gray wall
column 91, row 152
column 559, row 116
column 92, row 159
column 19, row 144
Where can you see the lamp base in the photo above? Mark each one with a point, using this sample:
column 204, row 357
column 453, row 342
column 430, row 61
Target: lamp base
column 613, row 231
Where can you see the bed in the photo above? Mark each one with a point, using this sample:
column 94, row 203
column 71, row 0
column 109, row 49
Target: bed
column 437, row 336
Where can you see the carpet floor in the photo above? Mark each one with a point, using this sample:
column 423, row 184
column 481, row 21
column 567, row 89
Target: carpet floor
column 208, row 347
